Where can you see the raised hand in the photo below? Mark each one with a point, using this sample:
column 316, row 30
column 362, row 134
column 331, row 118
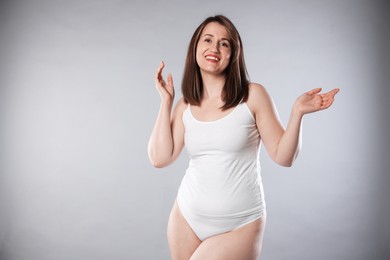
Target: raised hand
column 165, row 89
column 313, row 101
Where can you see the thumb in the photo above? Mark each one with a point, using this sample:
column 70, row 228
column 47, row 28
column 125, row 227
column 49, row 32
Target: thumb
column 170, row 80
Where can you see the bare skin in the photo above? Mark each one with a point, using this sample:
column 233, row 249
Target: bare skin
column 167, row 141
column 243, row 243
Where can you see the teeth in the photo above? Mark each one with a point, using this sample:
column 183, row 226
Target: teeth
column 212, row 58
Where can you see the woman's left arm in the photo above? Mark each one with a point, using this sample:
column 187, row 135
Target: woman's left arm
column 283, row 144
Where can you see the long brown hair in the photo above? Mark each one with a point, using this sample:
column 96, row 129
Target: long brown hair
column 236, row 88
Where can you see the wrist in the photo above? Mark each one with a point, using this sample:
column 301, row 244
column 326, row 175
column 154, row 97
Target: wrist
column 166, row 103
column 297, row 112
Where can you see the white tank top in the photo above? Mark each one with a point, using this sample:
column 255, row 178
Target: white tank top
column 223, row 177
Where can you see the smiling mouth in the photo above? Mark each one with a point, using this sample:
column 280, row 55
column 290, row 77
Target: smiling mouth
column 213, row 58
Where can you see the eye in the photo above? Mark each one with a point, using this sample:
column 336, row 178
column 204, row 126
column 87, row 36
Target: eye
column 208, row 40
column 224, row 44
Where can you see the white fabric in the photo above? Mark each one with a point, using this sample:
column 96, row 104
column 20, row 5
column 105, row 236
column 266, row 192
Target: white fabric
column 222, row 188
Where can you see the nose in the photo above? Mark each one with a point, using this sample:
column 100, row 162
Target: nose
column 215, row 47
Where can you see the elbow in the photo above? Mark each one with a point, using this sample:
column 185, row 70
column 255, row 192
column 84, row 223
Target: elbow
column 156, row 160
column 157, row 163
column 160, row 158
column 286, row 164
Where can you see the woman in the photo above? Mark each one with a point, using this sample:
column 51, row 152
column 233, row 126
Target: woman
column 219, row 212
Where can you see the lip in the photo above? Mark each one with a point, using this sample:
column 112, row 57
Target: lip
column 213, row 56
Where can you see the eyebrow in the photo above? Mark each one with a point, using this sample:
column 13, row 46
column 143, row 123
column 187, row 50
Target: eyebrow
column 207, row 34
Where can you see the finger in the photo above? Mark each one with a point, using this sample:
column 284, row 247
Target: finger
column 335, row 91
column 314, row 91
column 327, row 102
column 170, row 80
column 331, row 93
column 160, row 66
column 159, row 70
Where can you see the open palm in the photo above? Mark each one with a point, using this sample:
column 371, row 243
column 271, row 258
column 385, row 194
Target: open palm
column 313, row 101
column 166, row 89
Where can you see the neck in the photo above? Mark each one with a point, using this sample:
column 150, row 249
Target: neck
column 212, row 85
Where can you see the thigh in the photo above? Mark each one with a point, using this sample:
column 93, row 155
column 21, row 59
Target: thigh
column 182, row 240
column 243, row 243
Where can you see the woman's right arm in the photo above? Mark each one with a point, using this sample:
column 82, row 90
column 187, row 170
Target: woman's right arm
column 167, row 138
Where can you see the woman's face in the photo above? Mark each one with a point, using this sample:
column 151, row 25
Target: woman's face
column 213, row 50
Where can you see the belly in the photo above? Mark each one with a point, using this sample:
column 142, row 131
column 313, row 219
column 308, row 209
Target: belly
column 218, row 194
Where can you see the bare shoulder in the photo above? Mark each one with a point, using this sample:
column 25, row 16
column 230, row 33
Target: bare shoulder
column 258, row 97
column 257, row 91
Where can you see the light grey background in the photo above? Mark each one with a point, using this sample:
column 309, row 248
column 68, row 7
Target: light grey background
column 77, row 105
